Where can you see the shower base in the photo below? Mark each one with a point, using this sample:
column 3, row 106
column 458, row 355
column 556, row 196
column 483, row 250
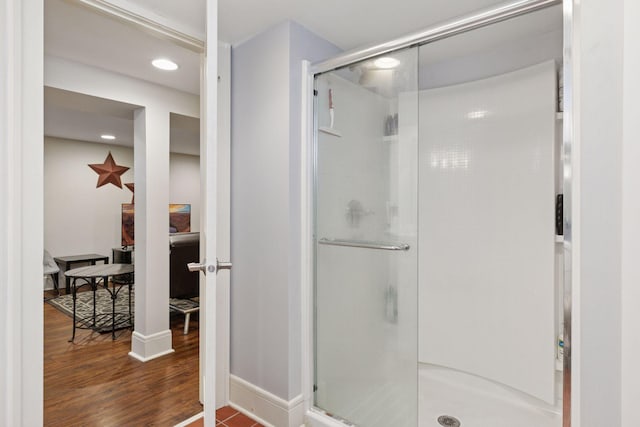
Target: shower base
column 476, row 402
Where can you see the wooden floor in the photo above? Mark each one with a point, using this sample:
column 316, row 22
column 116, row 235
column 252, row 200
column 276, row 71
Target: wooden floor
column 93, row 382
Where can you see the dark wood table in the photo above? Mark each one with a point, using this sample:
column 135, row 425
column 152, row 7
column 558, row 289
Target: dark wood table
column 66, row 262
column 92, row 276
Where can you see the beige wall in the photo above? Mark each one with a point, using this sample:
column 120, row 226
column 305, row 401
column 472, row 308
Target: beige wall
column 80, row 218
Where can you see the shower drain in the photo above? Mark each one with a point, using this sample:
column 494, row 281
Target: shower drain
column 447, row 421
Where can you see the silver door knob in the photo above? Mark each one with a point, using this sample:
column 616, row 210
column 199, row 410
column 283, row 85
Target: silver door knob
column 220, row 265
column 223, row 265
column 194, row 267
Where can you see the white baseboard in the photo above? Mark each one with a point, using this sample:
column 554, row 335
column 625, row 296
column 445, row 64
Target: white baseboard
column 149, row 347
column 264, row 407
column 48, row 283
column 314, row 418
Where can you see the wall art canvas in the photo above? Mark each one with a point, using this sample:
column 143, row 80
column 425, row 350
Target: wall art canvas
column 179, row 221
column 179, row 218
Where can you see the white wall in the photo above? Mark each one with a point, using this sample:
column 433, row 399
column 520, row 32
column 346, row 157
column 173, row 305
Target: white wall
column 80, row 218
column 259, row 211
column 631, row 219
column 487, row 237
column 184, row 184
column 265, row 208
column 304, row 45
column 597, row 292
column 76, row 77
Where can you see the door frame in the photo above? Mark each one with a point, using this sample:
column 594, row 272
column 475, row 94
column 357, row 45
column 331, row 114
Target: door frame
column 21, row 204
column 22, row 196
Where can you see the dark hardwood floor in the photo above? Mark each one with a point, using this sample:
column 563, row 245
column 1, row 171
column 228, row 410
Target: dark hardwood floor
column 93, row 382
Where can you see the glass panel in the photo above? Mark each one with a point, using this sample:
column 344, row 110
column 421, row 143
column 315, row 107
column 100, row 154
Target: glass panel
column 366, row 235
column 488, row 261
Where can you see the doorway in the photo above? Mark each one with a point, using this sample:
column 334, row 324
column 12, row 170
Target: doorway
column 121, row 84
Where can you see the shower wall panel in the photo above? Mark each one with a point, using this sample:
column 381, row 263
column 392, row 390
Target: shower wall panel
column 486, row 229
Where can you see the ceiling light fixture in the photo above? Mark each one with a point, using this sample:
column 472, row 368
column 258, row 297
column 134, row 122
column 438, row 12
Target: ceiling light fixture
column 164, row 64
column 386, row 62
column 109, row 137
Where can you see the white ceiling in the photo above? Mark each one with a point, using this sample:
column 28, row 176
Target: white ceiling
column 76, row 33
column 70, row 115
column 347, row 24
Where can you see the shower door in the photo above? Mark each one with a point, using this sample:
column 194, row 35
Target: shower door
column 366, row 241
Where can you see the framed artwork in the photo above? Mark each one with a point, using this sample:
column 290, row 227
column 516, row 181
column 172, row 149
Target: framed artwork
column 179, row 221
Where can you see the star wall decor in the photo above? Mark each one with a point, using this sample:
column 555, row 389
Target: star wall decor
column 131, row 186
column 108, row 172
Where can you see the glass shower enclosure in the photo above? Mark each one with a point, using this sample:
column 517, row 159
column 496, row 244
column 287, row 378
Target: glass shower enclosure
column 438, row 253
column 366, row 228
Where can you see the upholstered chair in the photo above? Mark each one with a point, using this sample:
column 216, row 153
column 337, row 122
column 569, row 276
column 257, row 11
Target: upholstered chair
column 51, row 269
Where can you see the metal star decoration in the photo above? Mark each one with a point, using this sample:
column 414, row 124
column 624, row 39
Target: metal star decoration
column 109, row 172
column 131, row 186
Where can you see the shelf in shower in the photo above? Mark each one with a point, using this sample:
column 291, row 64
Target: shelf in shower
column 366, row 244
column 559, row 115
column 390, row 138
column 559, row 239
column 330, row 131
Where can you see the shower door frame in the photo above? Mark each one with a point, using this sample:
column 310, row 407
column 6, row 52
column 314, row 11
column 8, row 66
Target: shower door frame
column 571, row 398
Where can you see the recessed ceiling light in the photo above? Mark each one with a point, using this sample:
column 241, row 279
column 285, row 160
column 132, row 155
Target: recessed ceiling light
column 386, row 62
column 164, row 64
column 109, row 137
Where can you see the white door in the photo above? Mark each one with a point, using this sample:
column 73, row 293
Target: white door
column 214, row 189
column 218, row 234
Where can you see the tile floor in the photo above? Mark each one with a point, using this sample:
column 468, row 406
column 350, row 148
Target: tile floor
column 229, row 417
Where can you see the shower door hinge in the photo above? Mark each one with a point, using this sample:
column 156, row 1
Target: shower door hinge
column 559, row 215
column 315, row 92
column 315, row 388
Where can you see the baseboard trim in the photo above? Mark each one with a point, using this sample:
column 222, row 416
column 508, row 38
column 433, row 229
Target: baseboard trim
column 314, row 418
column 190, row 420
column 148, row 347
column 264, row 407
